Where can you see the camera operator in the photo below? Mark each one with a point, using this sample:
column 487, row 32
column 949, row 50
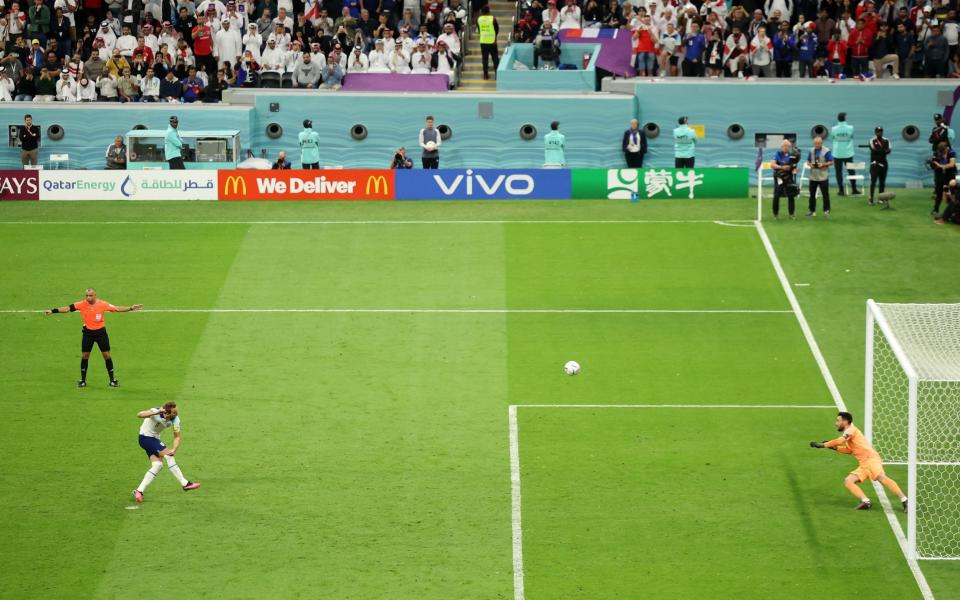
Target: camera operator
column 784, row 167
column 879, row 149
column 944, row 165
column 546, row 46
column 819, row 161
column 940, row 133
column 951, row 214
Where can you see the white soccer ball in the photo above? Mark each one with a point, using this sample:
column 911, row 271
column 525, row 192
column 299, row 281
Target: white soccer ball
column 430, row 146
column 571, row 368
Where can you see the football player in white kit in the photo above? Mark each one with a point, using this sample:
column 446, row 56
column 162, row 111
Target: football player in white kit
column 155, row 420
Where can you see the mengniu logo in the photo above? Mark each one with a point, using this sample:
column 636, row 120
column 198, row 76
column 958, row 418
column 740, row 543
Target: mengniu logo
column 19, row 185
column 374, row 183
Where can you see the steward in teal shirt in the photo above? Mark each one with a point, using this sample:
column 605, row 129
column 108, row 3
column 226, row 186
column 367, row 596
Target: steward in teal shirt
column 842, row 136
column 309, row 146
column 684, row 144
column 554, row 145
column 173, row 146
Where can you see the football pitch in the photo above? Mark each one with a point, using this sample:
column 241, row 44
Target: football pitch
column 373, row 399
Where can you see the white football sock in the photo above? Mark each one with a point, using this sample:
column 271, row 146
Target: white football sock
column 155, row 467
column 172, row 465
column 867, row 500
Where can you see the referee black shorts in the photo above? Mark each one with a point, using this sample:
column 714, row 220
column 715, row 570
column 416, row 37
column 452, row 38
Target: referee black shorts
column 98, row 336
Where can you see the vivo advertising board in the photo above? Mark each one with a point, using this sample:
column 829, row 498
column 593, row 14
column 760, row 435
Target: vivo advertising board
column 483, row 184
column 128, row 185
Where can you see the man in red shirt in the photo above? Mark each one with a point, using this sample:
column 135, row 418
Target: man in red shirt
column 859, row 43
column 94, row 330
column 202, row 36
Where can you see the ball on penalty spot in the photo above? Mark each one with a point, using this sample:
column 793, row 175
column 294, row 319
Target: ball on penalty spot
column 430, row 146
column 571, row 367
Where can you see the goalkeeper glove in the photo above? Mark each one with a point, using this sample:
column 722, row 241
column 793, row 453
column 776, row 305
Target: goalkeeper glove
column 816, row 444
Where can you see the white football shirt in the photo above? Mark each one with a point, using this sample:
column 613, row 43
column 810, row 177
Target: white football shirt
column 154, row 426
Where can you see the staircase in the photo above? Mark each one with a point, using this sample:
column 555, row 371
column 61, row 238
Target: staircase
column 471, row 80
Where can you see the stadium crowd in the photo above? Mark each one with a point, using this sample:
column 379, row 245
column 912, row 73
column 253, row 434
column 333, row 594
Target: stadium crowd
column 179, row 51
column 765, row 38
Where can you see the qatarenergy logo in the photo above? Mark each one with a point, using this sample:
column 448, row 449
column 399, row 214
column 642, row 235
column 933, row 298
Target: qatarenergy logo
column 79, row 185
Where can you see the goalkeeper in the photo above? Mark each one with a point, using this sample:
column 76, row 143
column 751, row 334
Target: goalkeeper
column 852, row 441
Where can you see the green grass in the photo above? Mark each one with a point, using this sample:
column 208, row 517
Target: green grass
column 365, row 455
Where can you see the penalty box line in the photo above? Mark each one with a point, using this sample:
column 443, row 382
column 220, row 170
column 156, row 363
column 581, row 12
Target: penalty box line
column 479, row 311
column 516, row 518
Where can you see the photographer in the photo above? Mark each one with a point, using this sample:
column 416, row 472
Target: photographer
column 546, row 46
column 944, row 164
column 951, row 213
column 784, row 167
column 819, row 161
column 879, row 149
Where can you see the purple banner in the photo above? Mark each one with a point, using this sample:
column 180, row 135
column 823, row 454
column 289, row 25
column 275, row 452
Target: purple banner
column 616, row 48
column 395, row 82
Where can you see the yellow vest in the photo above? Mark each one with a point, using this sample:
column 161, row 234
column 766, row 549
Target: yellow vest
column 488, row 34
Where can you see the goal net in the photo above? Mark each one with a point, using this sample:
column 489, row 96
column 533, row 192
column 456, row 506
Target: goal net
column 912, row 414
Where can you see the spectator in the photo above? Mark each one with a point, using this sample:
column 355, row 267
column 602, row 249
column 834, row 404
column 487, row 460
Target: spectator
column 669, row 45
column 7, row 86
column 379, row 62
column 86, row 90
column 117, row 154
column 735, row 54
column 444, row 62
column 170, row 88
column 183, row 53
column 358, row 61
column 569, row 16
column 107, row 84
column 60, row 31
column 106, row 35
column 451, row 38
column 905, row 43
column 52, row 64
column 116, row 64
column 884, row 52
column 936, row 53
column 527, row 28
column 400, row 160
column 306, row 73
column 127, row 88
column 227, row 45
column 46, row 87
column 551, row 15
column 29, row 136
column 693, row 46
column 281, row 164
column 859, row 42
column 66, row 89
column 819, row 161
column 783, row 47
column 253, row 41
column 420, row 61
column 806, row 50
column 192, row 86
column 38, row 21
column 713, row 56
column 36, row 57
column 247, row 70
column 273, row 59
column 126, row 43
column 213, row 92
column 761, row 59
column 644, row 48
column 546, row 45
column 783, row 7
column 202, row 36
column 332, row 74
column 634, row 145
column 25, row 88
column 836, row 56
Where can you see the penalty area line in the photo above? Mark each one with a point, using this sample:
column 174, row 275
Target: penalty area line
column 746, row 406
column 479, row 311
column 399, row 222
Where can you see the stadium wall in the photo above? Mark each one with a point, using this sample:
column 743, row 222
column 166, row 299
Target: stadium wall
column 486, row 127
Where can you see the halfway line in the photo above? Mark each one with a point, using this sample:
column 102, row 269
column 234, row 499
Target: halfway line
column 497, row 311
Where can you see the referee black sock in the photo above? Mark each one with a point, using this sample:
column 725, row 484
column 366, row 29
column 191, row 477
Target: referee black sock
column 83, row 369
column 109, row 362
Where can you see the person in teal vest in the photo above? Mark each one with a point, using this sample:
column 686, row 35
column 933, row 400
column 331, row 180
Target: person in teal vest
column 553, row 146
column 842, row 135
column 684, row 145
column 489, row 28
column 173, row 145
column 309, row 146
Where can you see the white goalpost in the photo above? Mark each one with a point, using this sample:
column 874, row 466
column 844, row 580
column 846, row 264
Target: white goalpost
column 912, row 415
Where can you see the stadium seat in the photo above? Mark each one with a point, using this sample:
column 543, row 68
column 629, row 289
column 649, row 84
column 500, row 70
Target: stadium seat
column 858, row 178
column 287, row 80
column 269, row 79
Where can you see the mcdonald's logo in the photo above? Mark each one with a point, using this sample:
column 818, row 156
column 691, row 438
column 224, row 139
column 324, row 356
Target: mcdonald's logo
column 374, row 182
column 235, row 185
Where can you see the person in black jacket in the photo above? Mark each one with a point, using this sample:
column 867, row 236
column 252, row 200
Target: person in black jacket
column 634, row 145
column 29, row 136
column 879, row 149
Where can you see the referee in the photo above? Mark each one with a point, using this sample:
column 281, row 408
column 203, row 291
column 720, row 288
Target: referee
column 173, row 146
column 93, row 311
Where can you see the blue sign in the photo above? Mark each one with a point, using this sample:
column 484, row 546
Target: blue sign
column 483, row 184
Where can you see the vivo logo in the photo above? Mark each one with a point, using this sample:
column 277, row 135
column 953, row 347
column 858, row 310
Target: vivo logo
column 516, row 185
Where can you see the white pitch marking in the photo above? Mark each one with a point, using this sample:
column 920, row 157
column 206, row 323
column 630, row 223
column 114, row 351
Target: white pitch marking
column 783, row 406
column 802, row 284
column 918, row 575
column 436, row 222
column 735, row 223
column 494, row 311
column 134, row 507
column 518, row 593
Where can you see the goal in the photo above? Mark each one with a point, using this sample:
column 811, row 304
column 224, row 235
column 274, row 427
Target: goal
column 912, row 414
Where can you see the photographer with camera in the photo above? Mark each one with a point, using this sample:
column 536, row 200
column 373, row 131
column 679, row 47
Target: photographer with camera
column 951, row 214
column 819, row 161
column 944, row 164
column 784, row 167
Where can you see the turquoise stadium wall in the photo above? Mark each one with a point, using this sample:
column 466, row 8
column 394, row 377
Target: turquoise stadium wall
column 593, row 123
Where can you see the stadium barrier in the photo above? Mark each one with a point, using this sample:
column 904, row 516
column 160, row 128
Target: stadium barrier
column 376, row 184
